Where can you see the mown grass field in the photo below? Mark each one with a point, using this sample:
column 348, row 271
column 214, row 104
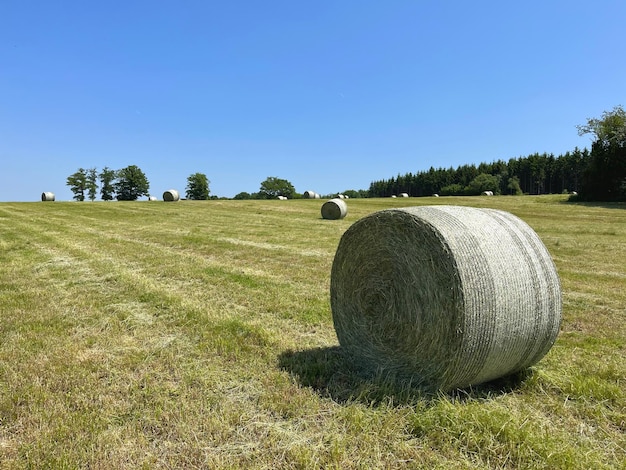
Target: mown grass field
column 199, row 334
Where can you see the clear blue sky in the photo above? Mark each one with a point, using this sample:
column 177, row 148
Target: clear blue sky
column 330, row 95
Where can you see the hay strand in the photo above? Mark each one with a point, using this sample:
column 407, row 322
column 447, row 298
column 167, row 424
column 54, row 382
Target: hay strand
column 334, row 209
column 171, row 195
column 47, row 196
column 444, row 296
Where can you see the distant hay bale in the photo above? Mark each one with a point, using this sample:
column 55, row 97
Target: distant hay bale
column 282, row 198
column 404, row 195
column 171, row 195
column 444, row 296
column 152, row 198
column 334, row 209
column 47, row 196
column 310, row 195
column 487, row 193
column 574, row 193
column 341, row 196
column 435, row 195
column 393, row 195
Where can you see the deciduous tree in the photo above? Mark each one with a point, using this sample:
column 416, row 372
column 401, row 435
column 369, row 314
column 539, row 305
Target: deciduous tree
column 197, row 187
column 131, row 184
column 273, row 187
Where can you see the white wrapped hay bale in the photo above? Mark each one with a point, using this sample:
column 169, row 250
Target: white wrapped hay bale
column 152, row 198
column 47, row 196
column 334, row 209
column 171, row 195
column 404, row 194
column 310, row 195
column 444, row 296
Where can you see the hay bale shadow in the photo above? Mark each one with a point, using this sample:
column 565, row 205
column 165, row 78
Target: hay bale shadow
column 331, row 374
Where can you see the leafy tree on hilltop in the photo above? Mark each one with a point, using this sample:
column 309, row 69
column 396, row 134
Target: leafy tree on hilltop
column 197, row 187
column 78, row 184
column 131, row 184
column 605, row 176
column 273, row 187
column 107, row 188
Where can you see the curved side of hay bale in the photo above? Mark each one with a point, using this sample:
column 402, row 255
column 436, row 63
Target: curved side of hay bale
column 171, row 195
column 47, row 196
column 152, row 198
column 309, row 194
column 444, row 296
column 404, row 195
column 334, row 209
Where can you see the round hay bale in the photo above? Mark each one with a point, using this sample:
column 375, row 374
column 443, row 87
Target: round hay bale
column 393, row 195
column 152, row 198
column 487, row 193
column 334, row 209
column 310, row 195
column 47, row 196
column 435, row 195
column 444, row 296
column 404, row 195
column 171, row 195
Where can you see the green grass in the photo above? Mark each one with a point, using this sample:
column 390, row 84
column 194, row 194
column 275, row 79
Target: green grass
column 199, row 335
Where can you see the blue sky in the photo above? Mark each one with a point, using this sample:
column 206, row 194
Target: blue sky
column 330, row 95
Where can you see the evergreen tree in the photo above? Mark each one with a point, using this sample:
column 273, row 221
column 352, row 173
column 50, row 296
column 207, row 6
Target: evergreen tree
column 78, row 184
column 605, row 177
column 92, row 184
column 197, row 187
column 107, row 186
column 131, row 184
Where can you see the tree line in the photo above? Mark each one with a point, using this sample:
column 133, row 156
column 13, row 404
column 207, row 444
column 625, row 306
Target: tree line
column 596, row 175
column 534, row 174
column 127, row 184
column 599, row 174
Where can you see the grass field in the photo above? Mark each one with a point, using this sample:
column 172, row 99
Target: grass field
column 198, row 334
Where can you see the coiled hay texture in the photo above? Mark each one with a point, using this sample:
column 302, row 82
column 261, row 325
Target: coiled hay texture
column 47, row 196
column 444, row 296
column 171, row 195
column 334, row 209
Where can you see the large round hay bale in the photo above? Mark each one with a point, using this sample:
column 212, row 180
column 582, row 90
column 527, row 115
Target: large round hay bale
column 404, row 194
column 47, row 196
column 444, row 296
column 309, row 195
column 171, row 195
column 152, row 198
column 334, row 209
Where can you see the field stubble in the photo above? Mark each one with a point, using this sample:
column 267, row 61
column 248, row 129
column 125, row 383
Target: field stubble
column 199, row 335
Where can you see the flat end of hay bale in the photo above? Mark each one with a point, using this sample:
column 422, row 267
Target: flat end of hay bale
column 171, row 195
column 334, row 209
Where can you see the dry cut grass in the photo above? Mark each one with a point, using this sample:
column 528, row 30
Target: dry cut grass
column 199, row 335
